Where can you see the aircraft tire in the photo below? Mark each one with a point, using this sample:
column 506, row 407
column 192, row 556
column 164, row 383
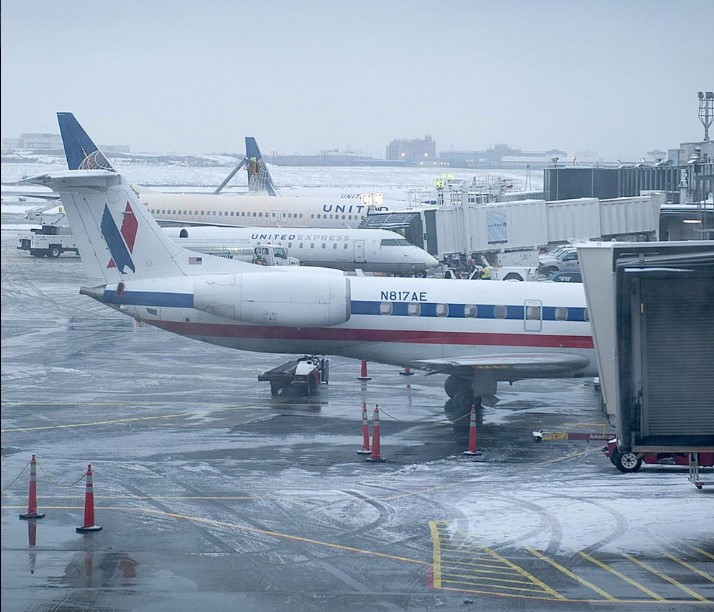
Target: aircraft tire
column 274, row 389
column 454, row 384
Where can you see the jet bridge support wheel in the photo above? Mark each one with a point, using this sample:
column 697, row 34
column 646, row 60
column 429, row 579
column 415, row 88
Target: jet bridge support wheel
column 626, row 462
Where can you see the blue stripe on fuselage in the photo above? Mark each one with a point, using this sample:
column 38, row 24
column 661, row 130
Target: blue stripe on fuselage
column 357, row 307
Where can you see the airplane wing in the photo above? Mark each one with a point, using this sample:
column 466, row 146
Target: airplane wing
column 508, row 366
column 40, row 196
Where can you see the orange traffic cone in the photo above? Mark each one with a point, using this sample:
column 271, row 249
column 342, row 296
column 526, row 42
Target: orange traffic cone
column 365, row 450
column 363, row 374
column 89, row 525
column 472, row 435
column 32, row 497
column 375, row 456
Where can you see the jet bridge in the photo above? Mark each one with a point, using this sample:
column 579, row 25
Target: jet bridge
column 651, row 306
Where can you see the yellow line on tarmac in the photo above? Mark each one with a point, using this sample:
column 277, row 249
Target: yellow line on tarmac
column 95, row 423
column 268, row 532
column 703, row 552
column 613, row 571
column 524, row 573
column 690, row 567
column 567, row 572
column 574, row 455
column 656, row 572
column 436, row 561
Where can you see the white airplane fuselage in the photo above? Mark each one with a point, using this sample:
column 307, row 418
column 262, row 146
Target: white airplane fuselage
column 397, row 321
column 250, row 210
column 370, row 250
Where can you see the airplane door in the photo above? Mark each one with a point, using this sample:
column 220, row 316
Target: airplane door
column 273, row 216
column 283, row 217
column 532, row 314
column 359, row 251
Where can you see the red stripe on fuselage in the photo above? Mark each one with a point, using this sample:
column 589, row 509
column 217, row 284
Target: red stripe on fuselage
column 375, row 335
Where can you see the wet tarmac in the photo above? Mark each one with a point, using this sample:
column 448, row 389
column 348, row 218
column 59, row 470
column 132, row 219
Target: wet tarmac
column 212, row 494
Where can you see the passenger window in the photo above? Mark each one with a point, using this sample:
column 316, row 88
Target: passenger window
column 561, row 314
column 533, row 313
column 470, row 310
column 414, row 309
column 499, row 312
column 334, row 246
column 442, row 310
column 385, row 308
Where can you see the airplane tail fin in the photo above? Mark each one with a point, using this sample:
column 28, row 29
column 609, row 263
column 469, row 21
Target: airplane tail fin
column 80, row 151
column 259, row 178
column 116, row 235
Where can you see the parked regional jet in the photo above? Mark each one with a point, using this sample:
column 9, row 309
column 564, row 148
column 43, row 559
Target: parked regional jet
column 369, row 250
column 223, row 209
column 477, row 333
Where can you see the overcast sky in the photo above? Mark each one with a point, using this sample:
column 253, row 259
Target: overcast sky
column 615, row 78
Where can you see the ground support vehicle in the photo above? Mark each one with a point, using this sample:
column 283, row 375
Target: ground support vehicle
column 301, row 376
column 48, row 241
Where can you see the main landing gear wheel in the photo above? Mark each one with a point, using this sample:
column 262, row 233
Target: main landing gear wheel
column 626, row 462
column 454, row 384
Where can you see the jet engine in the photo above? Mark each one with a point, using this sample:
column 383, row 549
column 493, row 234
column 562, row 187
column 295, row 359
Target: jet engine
column 263, row 298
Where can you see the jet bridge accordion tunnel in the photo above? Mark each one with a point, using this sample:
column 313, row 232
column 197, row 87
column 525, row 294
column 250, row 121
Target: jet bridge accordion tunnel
column 659, row 344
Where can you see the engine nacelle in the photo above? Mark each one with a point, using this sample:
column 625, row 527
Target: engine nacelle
column 302, row 300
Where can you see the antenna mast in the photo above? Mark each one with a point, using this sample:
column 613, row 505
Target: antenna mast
column 706, row 111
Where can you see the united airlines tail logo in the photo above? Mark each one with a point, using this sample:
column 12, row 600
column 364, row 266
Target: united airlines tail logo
column 120, row 242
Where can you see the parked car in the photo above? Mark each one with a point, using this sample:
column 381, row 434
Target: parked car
column 566, row 277
column 566, row 261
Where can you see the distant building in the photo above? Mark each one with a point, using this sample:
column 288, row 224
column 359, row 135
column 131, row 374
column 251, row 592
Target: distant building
column 41, row 142
column 412, row 152
column 501, row 156
column 35, row 141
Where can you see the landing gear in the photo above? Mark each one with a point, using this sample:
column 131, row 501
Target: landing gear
column 458, row 407
column 455, row 384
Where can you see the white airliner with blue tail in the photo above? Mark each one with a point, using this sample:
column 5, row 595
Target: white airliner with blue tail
column 478, row 333
column 369, row 250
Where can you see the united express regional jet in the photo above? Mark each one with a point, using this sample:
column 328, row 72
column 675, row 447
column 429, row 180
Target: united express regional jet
column 478, row 333
column 369, row 250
